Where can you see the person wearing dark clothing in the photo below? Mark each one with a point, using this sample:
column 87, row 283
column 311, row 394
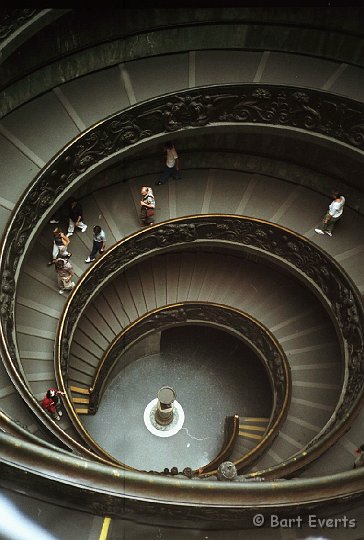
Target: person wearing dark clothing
column 188, row 472
column 61, row 215
column 98, row 245
column 75, row 217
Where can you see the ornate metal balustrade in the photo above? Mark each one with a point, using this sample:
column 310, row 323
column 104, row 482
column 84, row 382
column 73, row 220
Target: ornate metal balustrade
column 338, row 119
column 305, row 260
column 243, row 326
column 335, row 118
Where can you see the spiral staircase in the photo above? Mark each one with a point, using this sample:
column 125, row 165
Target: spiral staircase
column 87, row 115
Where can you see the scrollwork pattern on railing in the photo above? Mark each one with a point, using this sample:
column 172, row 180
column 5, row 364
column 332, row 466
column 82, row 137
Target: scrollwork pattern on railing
column 304, row 109
column 336, row 117
column 317, row 112
column 312, row 111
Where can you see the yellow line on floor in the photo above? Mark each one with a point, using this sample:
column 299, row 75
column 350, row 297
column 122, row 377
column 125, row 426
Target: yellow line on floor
column 105, row 528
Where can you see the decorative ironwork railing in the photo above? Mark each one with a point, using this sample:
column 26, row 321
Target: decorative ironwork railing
column 303, row 259
column 241, row 324
column 318, row 113
column 337, row 118
column 17, row 25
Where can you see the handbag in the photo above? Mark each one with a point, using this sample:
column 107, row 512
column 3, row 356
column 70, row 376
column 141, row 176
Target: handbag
column 150, row 212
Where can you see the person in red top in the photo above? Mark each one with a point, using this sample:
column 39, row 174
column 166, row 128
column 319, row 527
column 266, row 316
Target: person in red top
column 359, row 461
column 51, row 403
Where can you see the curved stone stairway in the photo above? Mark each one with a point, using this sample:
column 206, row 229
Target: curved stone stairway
column 306, row 336
column 27, row 144
column 301, row 333
column 283, row 321
column 280, row 202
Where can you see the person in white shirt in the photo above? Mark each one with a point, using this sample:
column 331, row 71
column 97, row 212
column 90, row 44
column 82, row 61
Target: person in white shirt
column 333, row 214
column 98, row 243
column 172, row 165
